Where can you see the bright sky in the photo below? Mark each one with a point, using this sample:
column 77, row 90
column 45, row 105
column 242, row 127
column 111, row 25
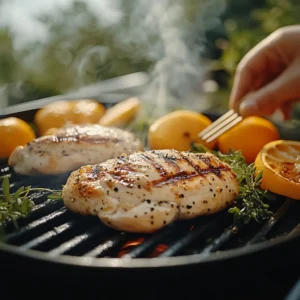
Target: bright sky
column 19, row 15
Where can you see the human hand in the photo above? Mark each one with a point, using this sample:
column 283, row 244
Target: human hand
column 268, row 77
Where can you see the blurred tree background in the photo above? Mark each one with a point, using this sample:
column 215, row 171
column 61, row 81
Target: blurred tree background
column 81, row 48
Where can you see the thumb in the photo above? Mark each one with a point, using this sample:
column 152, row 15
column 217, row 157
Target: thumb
column 274, row 95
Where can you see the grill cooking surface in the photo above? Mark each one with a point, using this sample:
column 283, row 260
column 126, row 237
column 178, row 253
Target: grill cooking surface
column 55, row 231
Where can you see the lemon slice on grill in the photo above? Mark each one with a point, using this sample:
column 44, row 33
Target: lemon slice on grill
column 280, row 162
column 121, row 113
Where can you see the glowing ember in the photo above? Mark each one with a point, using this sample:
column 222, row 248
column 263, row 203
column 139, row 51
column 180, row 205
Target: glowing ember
column 158, row 250
column 129, row 245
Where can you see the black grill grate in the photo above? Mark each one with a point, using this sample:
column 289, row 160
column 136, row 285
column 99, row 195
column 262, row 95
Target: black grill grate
column 53, row 229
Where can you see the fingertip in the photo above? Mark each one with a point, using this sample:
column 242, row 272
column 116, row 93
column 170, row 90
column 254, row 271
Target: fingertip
column 248, row 108
column 253, row 106
column 233, row 100
column 241, row 86
column 230, row 104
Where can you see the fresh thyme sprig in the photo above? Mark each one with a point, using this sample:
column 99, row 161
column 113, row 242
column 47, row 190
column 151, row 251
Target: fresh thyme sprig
column 19, row 204
column 250, row 203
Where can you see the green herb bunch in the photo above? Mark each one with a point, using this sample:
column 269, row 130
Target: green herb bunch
column 20, row 203
column 249, row 204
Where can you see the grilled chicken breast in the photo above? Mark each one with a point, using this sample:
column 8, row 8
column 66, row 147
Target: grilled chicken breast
column 72, row 147
column 144, row 191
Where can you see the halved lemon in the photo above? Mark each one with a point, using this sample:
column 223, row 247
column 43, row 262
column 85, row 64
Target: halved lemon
column 280, row 162
column 121, row 113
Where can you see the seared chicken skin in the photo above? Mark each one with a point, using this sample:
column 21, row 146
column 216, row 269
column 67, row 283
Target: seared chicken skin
column 144, row 191
column 72, row 147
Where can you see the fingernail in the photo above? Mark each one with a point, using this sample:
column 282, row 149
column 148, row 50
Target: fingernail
column 248, row 108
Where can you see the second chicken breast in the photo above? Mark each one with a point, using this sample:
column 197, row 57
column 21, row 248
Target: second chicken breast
column 72, row 147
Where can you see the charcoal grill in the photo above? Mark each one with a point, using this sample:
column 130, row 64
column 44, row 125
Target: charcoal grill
column 55, row 238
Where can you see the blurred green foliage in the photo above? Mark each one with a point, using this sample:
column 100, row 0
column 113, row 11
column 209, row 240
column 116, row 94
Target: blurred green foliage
column 8, row 63
column 82, row 49
column 248, row 29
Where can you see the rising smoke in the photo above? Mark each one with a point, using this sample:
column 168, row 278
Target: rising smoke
column 177, row 75
column 162, row 31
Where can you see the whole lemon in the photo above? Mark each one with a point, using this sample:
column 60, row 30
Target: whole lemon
column 177, row 130
column 59, row 113
column 249, row 136
column 14, row 132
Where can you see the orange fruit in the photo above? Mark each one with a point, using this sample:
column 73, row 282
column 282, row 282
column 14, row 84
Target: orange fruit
column 121, row 113
column 87, row 111
column 177, row 130
column 280, row 162
column 60, row 113
column 14, row 132
column 249, row 136
column 53, row 115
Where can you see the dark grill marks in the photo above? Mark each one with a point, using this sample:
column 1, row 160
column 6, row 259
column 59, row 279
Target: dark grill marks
column 182, row 175
column 119, row 173
column 97, row 140
column 96, row 170
column 75, row 136
column 205, row 159
column 160, row 169
column 169, row 159
column 189, row 162
column 165, row 177
column 124, row 166
column 210, row 168
column 93, row 173
column 122, row 159
column 76, row 139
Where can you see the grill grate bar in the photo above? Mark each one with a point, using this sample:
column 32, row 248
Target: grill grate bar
column 222, row 239
column 187, row 239
column 26, row 183
column 35, row 224
column 233, row 230
column 43, row 181
column 103, row 248
column 41, row 208
column 150, row 242
column 49, row 235
column 74, row 242
column 38, row 207
column 270, row 224
column 295, row 231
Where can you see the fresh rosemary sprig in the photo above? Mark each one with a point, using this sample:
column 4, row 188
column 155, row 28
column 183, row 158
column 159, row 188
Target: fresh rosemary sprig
column 250, row 203
column 19, row 204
